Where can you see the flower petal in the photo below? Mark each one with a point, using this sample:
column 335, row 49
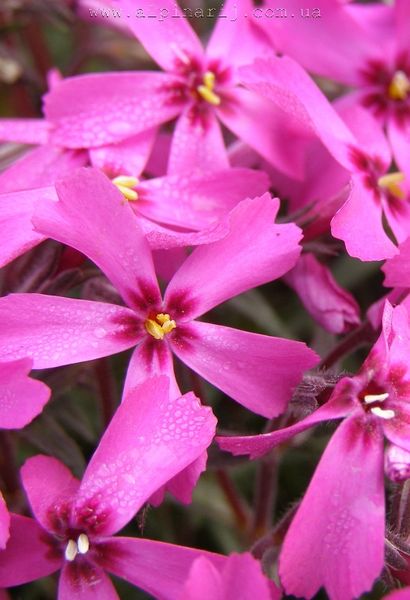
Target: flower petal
column 203, row 198
column 183, row 484
column 204, row 582
column 304, row 38
column 153, row 358
column 336, row 539
column 285, row 83
column 255, row 251
column 397, row 269
column 402, row 18
column 41, row 473
column 165, row 34
column 21, row 398
column 197, row 144
column 263, row 126
column 88, row 111
column 399, row 136
column 236, row 36
column 403, row 594
column 4, row 523
column 258, row 371
column 25, row 131
column 151, row 438
column 40, row 168
column 243, row 578
column 366, row 129
column 92, row 217
column 158, row 568
column 16, row 229
column 127, row 157
column 150, row 358
column 27, row 556
column 161, row 237
column 258, row 445
column 56, row 331
column 367, row 243
column 85, row 581
column 329, row 304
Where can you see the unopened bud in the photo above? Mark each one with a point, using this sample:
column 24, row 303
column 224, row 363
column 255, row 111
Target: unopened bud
column 397, row 463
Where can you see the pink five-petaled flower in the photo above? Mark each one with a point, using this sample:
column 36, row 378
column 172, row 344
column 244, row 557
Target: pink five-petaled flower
column 149, row 440
column 198, row 87
column 336, row 539
column 363, row 152
column 256, row 370
column 240, row 578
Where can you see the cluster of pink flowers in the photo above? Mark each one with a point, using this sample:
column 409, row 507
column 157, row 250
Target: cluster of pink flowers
column 146, row 199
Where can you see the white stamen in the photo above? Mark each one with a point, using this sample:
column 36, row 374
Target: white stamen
column 71, row 550
column 370, row 398
column 83, row 544
column 383, row 413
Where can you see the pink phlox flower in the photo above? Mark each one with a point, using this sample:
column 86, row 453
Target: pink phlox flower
column 65, row 330
column 150, row 438
column 336, row 539
column 198, row 87
column 240, row 577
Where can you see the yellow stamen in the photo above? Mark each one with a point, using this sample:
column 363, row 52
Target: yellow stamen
column 206, row 90
column 399, row 87
column 391, row 182
column 126, row 185
column 159, row 327
column 209, row 80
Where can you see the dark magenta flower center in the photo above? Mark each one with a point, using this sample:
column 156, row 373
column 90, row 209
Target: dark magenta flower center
column 387, row 88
